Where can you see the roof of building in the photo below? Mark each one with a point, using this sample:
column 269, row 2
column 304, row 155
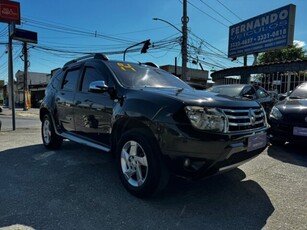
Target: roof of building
column 286, row 66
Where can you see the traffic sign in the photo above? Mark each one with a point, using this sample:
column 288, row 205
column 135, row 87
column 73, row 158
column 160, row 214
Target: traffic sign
column 25, row 36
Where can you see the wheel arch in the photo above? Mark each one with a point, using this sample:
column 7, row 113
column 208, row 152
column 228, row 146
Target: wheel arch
column 125, row 124
column 42, row 113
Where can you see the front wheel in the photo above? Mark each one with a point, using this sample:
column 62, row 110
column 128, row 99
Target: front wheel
column 50, row 139
column 140, row 164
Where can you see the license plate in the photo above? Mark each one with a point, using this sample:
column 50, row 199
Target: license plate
column 256, row 142
column 299, row 131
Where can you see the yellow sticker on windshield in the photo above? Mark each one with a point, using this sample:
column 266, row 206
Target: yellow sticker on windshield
column 125, row 67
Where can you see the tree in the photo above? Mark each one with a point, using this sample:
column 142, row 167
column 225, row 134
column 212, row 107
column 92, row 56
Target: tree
column 290, row 53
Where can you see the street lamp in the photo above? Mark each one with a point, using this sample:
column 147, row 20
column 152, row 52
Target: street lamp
column 184, row 49
column 159, row 19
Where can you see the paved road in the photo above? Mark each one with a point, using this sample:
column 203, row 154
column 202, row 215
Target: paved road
column 23, row 119
column 77, row 187
column 20, row 122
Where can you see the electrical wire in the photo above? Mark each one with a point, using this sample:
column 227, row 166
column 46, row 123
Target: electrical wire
column 213, row 18
column 70, row 30
column 214, row 10
column 230, row 10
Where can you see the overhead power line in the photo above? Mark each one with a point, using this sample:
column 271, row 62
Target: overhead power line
column 214, row 10
column 158, row 45
column 230, row 10
column 71, row 30
column 213, row 18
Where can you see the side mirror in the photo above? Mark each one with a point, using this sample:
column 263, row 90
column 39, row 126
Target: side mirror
column 98, row 87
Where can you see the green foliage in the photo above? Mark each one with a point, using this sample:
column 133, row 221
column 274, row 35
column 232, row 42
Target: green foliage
column 286, row 54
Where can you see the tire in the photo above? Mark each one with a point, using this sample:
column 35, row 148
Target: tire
column 140, row 166
column 50, row 139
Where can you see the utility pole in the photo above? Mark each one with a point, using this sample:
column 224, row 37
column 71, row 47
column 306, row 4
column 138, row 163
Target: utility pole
column 11, row 77
column 184, row 49
column 25, row 72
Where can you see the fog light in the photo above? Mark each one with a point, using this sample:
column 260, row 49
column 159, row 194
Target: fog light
column 187, row 162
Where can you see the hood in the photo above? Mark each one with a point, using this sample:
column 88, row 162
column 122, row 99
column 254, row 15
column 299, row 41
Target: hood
column 201, row 98
column 289, row 105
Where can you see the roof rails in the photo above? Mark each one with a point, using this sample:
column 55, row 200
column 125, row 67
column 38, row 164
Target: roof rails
column 99, row 56
column 150, row 64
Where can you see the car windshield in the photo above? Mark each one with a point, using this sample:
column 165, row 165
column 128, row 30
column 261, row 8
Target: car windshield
column 133, row 75
column 228, row 90
column 300, row 92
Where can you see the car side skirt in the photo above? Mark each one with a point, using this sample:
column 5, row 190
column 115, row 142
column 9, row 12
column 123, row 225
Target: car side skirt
column 85, row 142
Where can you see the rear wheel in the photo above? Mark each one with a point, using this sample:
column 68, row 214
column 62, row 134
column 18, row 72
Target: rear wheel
column 140, row 166
column 50, row 139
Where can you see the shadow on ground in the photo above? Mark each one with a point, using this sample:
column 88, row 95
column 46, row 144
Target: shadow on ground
column 293, row 153
column 77, row 188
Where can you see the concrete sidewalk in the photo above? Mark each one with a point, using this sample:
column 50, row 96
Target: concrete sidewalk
column 19, row 112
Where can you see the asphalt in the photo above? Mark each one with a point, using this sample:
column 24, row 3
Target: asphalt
column 77, row 187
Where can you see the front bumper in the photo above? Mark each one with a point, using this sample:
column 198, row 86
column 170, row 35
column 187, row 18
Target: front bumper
column 284, row 131
column 195, row 153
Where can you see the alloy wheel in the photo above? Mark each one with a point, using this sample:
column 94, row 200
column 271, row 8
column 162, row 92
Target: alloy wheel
column 134, row 163
column 46, row 131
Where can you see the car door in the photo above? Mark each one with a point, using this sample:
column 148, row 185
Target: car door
column 65, row 99
column 93, row 111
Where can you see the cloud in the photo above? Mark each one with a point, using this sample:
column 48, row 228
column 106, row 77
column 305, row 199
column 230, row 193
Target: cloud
column 299, row 43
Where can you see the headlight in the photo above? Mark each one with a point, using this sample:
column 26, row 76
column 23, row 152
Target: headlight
column 275, row 113
column 206, row 118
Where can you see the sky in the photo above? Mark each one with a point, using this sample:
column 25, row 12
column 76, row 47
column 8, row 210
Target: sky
column 69, row 28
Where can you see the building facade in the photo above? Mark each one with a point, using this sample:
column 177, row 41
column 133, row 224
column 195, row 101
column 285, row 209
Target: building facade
column 36, row 83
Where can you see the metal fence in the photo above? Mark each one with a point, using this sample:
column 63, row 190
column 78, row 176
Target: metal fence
column 278, row 82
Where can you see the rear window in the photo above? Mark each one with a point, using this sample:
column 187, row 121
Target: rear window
column 56, row 80
column 300, row 92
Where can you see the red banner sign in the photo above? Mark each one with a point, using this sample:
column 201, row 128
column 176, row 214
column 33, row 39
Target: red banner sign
column 10, row 12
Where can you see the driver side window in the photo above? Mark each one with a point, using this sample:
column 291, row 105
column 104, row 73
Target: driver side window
column 261, row 94
column 249, row 92
column 90, row 75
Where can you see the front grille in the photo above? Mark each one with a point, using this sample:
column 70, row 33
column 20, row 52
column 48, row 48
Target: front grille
column 245, row 119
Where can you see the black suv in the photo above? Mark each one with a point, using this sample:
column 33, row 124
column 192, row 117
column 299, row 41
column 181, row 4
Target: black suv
column 152, row 121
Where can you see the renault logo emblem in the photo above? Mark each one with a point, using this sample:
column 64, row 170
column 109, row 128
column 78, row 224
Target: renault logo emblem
column 252, row 117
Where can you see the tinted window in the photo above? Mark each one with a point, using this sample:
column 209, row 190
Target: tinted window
column 299, row 92
column 90, row 75
column 261, row 93
column 248, row 91
column 57, row 79
column 71, row 80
